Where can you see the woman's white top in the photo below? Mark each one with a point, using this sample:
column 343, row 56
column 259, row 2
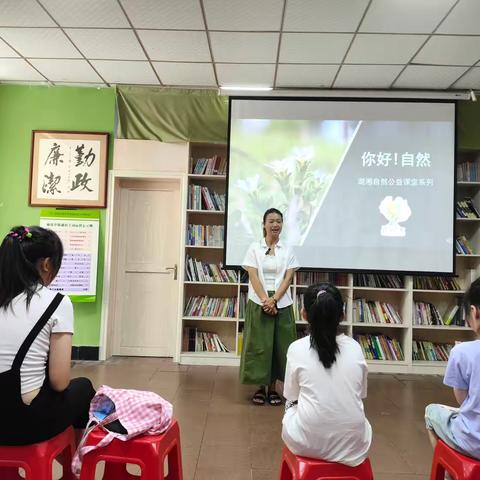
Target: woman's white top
column 17, row 321
column 329, row 421
column 269, row 267
column 285, row 259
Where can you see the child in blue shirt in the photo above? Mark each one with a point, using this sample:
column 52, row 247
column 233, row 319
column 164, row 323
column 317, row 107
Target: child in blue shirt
column 460, row 427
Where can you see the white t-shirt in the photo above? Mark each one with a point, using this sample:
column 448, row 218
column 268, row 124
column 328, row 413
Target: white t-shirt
column 329, row 421
column 286, row 260
column 269, row 268
column 17, row 321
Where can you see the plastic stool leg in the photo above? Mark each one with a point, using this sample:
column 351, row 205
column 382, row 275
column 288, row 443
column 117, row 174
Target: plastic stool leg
column 89, row 465
column 174, row 459
column 285, row 472
column 117, row 471
column 438, row 472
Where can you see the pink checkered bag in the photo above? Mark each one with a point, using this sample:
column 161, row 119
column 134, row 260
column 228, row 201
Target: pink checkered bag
column 135, row 411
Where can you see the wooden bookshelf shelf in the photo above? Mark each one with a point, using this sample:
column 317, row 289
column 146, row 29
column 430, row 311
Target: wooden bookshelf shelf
column 441, row 327
column 206, row 212
column 378, row 289
column 471, row 255
column 230, row 284
column 211, row 319
column 467, row 219
column 429, row 363
column 468, row 184
column 219, row 178
column 379, row 325
column 447, row 292
column 204, row 247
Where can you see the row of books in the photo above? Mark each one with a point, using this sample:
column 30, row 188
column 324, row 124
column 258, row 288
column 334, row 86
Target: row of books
column 370, row 311
column 197, row 341
column 205, row 235
column 377, row 280
column 380, row 347
column 429, row 351
column 205, row 306
column 313, row 278
column 198, row 271
column 215, row 165
column 463, row 246
column 468, row 172
column 436, row 283
column 428, row 314
column 202, row 198
column 466, row 209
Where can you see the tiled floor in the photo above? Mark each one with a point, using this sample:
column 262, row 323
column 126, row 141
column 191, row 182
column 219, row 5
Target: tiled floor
column 224, row 437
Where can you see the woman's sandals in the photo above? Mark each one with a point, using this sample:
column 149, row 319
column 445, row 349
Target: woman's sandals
column 259, row 397
column 274, row 398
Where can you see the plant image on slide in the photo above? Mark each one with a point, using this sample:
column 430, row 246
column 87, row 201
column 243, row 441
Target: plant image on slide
column 395, row 211
column 286, row 164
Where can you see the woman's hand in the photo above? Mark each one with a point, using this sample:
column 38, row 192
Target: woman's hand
column 270, row 306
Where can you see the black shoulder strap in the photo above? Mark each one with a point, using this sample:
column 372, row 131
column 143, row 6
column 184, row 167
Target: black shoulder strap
column 27, row 343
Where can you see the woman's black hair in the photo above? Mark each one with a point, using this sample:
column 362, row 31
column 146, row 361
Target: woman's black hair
column 268, row 212
column 324, row 306
column 472, row 296
column 20, row 252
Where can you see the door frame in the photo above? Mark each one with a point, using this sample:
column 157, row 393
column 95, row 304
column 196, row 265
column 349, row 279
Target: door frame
column 108, row 320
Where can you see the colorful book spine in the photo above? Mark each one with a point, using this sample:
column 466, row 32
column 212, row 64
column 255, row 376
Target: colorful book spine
column 380, row 347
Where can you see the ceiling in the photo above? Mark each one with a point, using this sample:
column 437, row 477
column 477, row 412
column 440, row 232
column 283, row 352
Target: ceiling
column 399, row 44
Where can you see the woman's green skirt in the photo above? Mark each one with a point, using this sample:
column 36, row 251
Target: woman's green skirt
column 266, row 339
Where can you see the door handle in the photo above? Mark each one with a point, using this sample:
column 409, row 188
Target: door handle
column 175, row 270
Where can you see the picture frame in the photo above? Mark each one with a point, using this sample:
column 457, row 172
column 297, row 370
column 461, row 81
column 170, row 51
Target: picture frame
column 68, row 169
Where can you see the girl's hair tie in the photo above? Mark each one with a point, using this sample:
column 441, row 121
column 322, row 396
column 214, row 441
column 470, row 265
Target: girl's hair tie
column 20, row 236
column 321, row 292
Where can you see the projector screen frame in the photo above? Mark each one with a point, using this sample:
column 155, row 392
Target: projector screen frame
column 451, row 273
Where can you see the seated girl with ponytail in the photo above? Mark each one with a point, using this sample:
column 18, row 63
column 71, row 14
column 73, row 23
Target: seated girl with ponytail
column 38, row 400
column 325, row 382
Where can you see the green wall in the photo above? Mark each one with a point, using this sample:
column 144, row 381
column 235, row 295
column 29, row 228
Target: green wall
column 26, row 108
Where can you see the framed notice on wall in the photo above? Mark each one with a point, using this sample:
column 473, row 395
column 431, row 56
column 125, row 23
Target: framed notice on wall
column 69, row 169
column 78, row 230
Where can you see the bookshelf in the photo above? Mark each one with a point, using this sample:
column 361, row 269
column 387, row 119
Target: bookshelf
column 401, row 292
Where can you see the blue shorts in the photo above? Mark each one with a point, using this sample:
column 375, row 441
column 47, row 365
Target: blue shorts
column 438, row 418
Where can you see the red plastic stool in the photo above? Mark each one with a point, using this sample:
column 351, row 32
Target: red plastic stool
column 147, row 451
column 460, row 467
column 37, row 459
column 303, row 468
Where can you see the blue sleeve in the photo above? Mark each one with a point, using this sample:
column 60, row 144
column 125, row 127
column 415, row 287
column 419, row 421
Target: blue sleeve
column 455, row 374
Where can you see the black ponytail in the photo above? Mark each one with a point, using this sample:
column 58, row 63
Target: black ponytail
column 324, row 307
column 20, row 252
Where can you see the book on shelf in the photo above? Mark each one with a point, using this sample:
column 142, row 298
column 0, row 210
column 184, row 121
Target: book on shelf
column 377, row 280
column 435, row 283
column 430, row 351
column 195, row 340
column 374, row 311
column 203, row 198
column 215, row 165
column 239, row 342
column 456, row 315
column 198, row 271
column 380, row 347
column 466, row 209
column 463, row 246
column 243, row 276
column 427, row 314
column 205, row 235
column 468, row 172
column 205, row 306
column 313, row 278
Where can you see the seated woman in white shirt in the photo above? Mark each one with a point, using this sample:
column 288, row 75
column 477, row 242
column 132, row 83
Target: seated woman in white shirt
column 325, row 382
column 38, row 399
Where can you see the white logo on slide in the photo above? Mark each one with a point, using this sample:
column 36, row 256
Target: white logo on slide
column 395, row 211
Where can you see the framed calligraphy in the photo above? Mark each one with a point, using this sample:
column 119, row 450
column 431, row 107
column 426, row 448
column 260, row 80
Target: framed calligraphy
column 68, row 169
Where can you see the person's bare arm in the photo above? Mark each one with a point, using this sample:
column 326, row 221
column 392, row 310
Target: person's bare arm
column 460, row 395
column 256, row 283
column 59, row 360
column 286, row 282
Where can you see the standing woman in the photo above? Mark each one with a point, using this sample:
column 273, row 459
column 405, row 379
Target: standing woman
column 38, row 400
column 270, row 322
